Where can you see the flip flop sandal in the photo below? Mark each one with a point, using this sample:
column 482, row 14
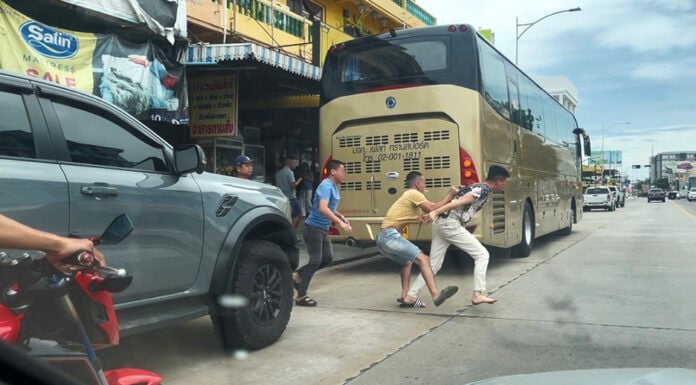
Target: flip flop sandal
column 416, row 305
column 446, row 293
column 306, row 301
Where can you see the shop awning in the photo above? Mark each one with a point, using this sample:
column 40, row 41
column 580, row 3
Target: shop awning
column 218, row 53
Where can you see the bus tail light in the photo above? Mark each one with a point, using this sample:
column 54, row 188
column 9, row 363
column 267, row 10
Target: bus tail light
column 325, row 169
column 467, row 169
column 462, row 28
column 337, row 47
column 452, row 28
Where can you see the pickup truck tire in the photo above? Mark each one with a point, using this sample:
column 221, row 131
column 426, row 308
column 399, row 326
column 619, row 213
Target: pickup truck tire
column 524, row 248
column 264, row 277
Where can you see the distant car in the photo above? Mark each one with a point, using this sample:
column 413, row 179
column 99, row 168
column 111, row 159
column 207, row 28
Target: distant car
column 673, row 194
column 692, row 194
column 683, row 193
column 598, row 197
column 656, row 194
column 619, row 196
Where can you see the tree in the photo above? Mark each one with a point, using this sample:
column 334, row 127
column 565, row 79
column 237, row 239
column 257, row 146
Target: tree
column 662, row 183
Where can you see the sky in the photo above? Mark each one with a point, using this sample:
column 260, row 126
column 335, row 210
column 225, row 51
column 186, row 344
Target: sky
column 633, row 63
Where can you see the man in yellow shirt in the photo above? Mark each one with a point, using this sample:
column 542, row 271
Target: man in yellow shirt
column 390, row 242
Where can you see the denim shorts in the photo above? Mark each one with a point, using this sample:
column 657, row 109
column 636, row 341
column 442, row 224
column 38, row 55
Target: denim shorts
column 295, row 207
column 394, row 246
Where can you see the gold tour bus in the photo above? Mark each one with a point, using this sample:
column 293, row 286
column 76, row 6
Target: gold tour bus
column 443, row 101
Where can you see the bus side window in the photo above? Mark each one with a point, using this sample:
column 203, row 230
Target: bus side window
column 528, row 103
column 515, row 103
column 494, row 80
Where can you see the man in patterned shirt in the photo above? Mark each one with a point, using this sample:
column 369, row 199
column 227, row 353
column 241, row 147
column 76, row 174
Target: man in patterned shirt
column 449, row 223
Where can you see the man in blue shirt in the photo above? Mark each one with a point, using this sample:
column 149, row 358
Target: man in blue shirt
column 285, row 180
column 316, row 231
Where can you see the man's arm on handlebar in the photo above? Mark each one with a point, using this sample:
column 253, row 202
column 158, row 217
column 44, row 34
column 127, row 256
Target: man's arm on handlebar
column 14, row 235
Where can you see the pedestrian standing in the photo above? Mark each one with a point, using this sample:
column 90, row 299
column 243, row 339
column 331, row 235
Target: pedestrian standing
column 316, row 231
column 305, row 190
column 449, row 228
column 285, row 180
column 391, row 243
column 243, row 167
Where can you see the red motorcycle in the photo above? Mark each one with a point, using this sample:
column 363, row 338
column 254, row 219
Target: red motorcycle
column 61, row 318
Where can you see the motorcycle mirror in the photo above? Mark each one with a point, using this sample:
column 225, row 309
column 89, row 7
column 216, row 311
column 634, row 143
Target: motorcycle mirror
column 117, row 231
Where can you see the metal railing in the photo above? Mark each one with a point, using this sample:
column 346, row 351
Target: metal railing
column 264, row 13
column 419, row 12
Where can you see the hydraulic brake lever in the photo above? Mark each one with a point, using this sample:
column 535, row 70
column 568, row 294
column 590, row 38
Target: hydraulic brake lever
column 110, row 271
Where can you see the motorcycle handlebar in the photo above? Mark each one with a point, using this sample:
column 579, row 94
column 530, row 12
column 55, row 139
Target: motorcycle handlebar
column 81, row 260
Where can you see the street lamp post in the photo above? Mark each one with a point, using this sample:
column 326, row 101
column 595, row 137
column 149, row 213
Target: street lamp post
column 529, row 25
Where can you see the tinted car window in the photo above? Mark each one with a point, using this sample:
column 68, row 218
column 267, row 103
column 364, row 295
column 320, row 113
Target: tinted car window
column 96, row 140
column 15, row 132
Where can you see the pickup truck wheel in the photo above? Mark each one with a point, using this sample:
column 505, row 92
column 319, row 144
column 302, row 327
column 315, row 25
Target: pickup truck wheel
column 524, row 248
column 263, row 276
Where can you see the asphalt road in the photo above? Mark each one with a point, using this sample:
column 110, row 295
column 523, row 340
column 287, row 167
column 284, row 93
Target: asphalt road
column 618, row 292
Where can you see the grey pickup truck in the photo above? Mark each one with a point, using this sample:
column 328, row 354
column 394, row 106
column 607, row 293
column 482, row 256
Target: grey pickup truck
column 71, row 162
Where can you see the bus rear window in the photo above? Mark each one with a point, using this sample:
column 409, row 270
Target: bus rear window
column 395, row 59
column 596, row 191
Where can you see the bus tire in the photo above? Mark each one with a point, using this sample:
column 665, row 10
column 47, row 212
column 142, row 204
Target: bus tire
column 524, row 248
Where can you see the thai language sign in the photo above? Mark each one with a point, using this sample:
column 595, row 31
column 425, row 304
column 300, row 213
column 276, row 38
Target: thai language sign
column 213, row 105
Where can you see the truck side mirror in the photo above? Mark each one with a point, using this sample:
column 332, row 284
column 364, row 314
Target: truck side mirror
column 189, row 158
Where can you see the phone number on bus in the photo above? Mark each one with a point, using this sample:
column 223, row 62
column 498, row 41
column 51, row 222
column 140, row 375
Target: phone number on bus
column 392, row 156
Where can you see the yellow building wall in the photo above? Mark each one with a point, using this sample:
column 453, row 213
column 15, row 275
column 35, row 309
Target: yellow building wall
column 251, row 19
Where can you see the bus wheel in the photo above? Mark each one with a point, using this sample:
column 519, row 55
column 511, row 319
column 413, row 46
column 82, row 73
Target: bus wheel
column 524, row 248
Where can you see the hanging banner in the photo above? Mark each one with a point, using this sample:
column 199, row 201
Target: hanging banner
column 213, row 106
column 135, row 77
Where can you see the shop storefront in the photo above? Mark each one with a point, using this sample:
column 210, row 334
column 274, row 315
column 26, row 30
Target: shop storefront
column 249, row 99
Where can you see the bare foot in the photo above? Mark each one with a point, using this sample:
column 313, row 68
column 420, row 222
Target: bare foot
column 479, row 298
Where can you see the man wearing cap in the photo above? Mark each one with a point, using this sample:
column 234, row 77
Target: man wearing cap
column 243, row 167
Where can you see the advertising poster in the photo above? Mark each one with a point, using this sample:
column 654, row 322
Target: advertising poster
column 135, row 77
column 606, row 157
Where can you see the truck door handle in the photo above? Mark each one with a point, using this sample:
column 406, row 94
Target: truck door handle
column 99, row 190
